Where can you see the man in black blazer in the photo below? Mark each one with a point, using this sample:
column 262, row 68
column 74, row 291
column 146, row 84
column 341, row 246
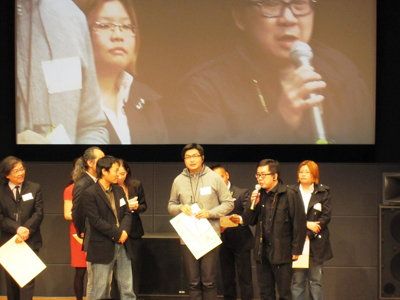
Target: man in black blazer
column 237, row 242
column 21, row 213
column 109, row 220
column 89, row 160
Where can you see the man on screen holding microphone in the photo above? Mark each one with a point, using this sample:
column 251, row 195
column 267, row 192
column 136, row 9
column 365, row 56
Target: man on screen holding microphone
column 309, row 97
column 280, row 221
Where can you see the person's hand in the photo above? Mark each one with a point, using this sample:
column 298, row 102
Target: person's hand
column 123, row 237
column 314, row 226
column 133, row 205
column 186, row 209
column 31, row 137
column 203, row 214
column 23, row 233
column 301, row 90
column 254, row 199
column 235, row 219
column 295, row 257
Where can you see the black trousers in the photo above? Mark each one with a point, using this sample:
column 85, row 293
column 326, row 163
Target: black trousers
column 201, row 274
column 270, row 275
column 14, row 292
column 233, row 260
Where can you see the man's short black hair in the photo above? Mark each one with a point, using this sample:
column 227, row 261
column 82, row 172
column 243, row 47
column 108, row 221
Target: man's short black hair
column 191, row 146
column 105, row 163
column 273, row 166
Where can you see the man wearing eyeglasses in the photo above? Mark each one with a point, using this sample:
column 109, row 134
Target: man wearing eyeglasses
column 198, row 184
column 21, row 213
column 260, row 83
column 280, row 230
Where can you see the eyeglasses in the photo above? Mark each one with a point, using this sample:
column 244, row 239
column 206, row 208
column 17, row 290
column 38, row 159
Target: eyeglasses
column 16, row 171
column 109, row 28
column 275, row 8
column 192, row 156
column 263, row 175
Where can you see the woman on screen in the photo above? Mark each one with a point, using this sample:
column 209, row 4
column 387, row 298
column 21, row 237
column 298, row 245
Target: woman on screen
column 131, row 107
column 317, row 206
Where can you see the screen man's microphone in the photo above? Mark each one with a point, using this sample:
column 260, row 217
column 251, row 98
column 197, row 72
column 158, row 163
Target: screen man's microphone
column 301, row 53
column 257, row 188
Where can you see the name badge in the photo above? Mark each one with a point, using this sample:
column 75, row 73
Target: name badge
column 122, row 202
column 63, row 74
column 206, row 190
column 317, row 206
column 27, row 197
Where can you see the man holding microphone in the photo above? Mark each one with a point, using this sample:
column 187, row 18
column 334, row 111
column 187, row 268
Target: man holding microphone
column 280, row 230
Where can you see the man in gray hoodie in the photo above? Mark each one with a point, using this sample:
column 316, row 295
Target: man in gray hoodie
column 199, row 184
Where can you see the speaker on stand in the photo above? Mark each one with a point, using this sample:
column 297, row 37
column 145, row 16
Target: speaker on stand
column 389, row 237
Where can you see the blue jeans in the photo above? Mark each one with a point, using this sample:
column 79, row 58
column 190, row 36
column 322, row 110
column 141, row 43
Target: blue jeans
column 101, row 276
column 311, row 277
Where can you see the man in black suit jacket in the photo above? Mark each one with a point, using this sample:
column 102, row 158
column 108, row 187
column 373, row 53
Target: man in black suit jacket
column 89, row 160
column 237, row 243
column 21, row 213
column 109, row 220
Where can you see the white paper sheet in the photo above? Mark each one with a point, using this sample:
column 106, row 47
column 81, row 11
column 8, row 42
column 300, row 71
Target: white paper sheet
column 198, row 234
column 304, row 259
column 20, row 261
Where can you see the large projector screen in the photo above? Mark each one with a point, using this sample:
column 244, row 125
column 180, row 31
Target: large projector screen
column 165, row 72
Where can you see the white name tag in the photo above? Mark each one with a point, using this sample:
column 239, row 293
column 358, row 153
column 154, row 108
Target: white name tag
column 122, row 202
column 27, row 197
column 318, row 206
column 206, row 190
column 63, row 74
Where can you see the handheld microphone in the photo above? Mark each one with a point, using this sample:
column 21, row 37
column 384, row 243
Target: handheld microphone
column 301, row 54
column 257, row 188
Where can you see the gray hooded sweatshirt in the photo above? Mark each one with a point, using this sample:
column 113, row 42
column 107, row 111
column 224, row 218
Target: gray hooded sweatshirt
column 205, row 188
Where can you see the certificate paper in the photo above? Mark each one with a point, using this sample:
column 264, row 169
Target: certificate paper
column 20, row 261
column 304, row 259
column 198, row 234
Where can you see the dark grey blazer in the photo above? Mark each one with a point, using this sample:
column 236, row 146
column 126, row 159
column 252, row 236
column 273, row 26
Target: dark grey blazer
column 27, row 213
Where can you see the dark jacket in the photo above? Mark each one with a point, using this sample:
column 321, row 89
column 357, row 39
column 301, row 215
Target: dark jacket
column 104, row 232
column 145, row 119
column 240, row 237
column 288, row 229
column 135, row 188
column 78, row 214
column 320, row 245
column 221, row 102
column 28, row 213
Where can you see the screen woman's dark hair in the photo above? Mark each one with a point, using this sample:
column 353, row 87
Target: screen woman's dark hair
column 191, row 146
column 7, row 164
column 105, row 163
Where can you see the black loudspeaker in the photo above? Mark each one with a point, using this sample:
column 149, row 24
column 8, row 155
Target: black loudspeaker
column 389, row 252
column 391, row 188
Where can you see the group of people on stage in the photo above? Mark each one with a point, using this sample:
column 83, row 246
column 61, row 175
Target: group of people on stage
column 284, row 217
column 104, row 203
column 77, row 80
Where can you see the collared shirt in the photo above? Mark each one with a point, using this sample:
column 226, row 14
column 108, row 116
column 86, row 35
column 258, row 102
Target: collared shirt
column 306, row 196
column 110, row 196
column 12, row 188
column 118, row 119
column 91, row 176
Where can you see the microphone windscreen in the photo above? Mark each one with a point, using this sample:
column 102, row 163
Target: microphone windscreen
column 301, row 53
